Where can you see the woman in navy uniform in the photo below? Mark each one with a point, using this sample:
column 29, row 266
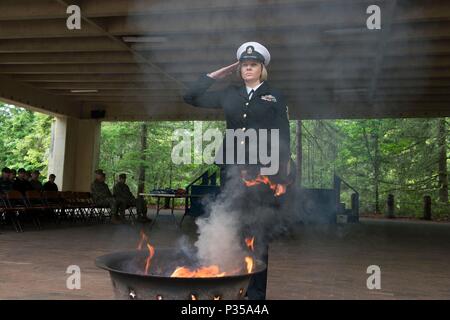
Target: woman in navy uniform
column 251, row 105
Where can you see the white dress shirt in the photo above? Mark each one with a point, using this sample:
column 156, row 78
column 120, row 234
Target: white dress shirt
column 254, row 89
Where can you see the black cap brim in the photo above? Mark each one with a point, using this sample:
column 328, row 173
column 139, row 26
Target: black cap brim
column 252, row 56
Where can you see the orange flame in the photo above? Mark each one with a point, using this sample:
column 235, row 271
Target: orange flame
column 278, row 189
column 144, row 239
column 281, row 189
column 249, row 262
column 250, row 243
column 203, row 272
column 151, row 252
column 193, row 296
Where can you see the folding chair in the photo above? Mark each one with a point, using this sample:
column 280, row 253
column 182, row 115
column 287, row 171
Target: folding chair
column 54, row 202
column 17, row 206
column 71, row 206
column 87, row 205
column 36, row 204
column 132, row 212
column 8, row 213
column 102, row 212
column 3, row 210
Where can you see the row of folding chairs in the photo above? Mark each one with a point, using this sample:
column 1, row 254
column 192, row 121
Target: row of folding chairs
column 35, row 206
column 81, row 206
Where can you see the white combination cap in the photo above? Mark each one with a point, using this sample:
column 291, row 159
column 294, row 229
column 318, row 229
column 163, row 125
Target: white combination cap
column 253, row 51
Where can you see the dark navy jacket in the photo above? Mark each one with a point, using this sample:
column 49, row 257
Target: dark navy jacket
column 266, row 109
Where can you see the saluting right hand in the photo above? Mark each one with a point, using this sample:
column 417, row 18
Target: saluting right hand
column 224, row 72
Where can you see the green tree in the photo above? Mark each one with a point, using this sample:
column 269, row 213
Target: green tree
column 25, row 138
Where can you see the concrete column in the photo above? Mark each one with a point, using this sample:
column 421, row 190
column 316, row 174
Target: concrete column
column 74, row 152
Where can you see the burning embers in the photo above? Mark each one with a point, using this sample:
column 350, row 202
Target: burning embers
column 199, row 272
column 278, row 189
column 202, row 272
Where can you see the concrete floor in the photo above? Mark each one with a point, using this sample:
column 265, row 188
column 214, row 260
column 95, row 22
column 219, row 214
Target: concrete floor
column 317, row 262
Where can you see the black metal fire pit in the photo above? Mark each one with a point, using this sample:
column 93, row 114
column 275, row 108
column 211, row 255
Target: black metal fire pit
column 130, row 282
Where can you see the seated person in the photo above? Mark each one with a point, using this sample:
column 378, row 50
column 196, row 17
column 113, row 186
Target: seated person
column 122, row 191
column 34, row 181
column 13, row 175
column 21, row 184
column 103, row 197
column 5, row 182
column 50, row 185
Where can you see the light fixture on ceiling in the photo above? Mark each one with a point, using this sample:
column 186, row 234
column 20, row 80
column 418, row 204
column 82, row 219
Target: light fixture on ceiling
column 144, row 39
column 350, row 90
column 84, row 91
column 344, row 31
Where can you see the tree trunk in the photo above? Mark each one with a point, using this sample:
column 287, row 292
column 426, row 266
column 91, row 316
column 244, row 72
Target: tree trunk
column 141, row 179
column 443, row 173
column 376, row 167
column 299, row 153
column 375, row 161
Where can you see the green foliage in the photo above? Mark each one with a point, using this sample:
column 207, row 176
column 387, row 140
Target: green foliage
column 25, row 138
column 120, row 153
column 404, row 151
column 407, row 158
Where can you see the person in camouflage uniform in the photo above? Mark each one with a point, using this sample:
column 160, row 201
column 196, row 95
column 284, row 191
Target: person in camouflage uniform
column 103, row 197
column 34, row 181
column 5, row 183
column 12, row 175
column 122, row 191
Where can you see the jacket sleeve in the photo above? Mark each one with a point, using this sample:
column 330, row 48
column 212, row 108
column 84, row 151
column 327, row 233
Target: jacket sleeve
column 115, row 190
column 94, row 193
column 198, row 96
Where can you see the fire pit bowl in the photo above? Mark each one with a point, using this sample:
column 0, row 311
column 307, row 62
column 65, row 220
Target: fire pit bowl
column 130, row 281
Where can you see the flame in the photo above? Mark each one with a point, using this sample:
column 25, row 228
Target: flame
column 249, row 262
column 210, row 271
column 217, row 297
column 193, row 296
column 151, row 252
column 278, row 189
column 203, row 272
column 250, row 243
column 144, row 239
column 281, row 189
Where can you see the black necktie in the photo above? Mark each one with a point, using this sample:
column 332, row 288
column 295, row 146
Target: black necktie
column 250, row 94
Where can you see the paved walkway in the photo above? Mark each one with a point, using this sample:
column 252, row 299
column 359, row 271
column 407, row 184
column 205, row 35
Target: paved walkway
column 317, row 262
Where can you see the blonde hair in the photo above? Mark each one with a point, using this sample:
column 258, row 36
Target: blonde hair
column 263, row 77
